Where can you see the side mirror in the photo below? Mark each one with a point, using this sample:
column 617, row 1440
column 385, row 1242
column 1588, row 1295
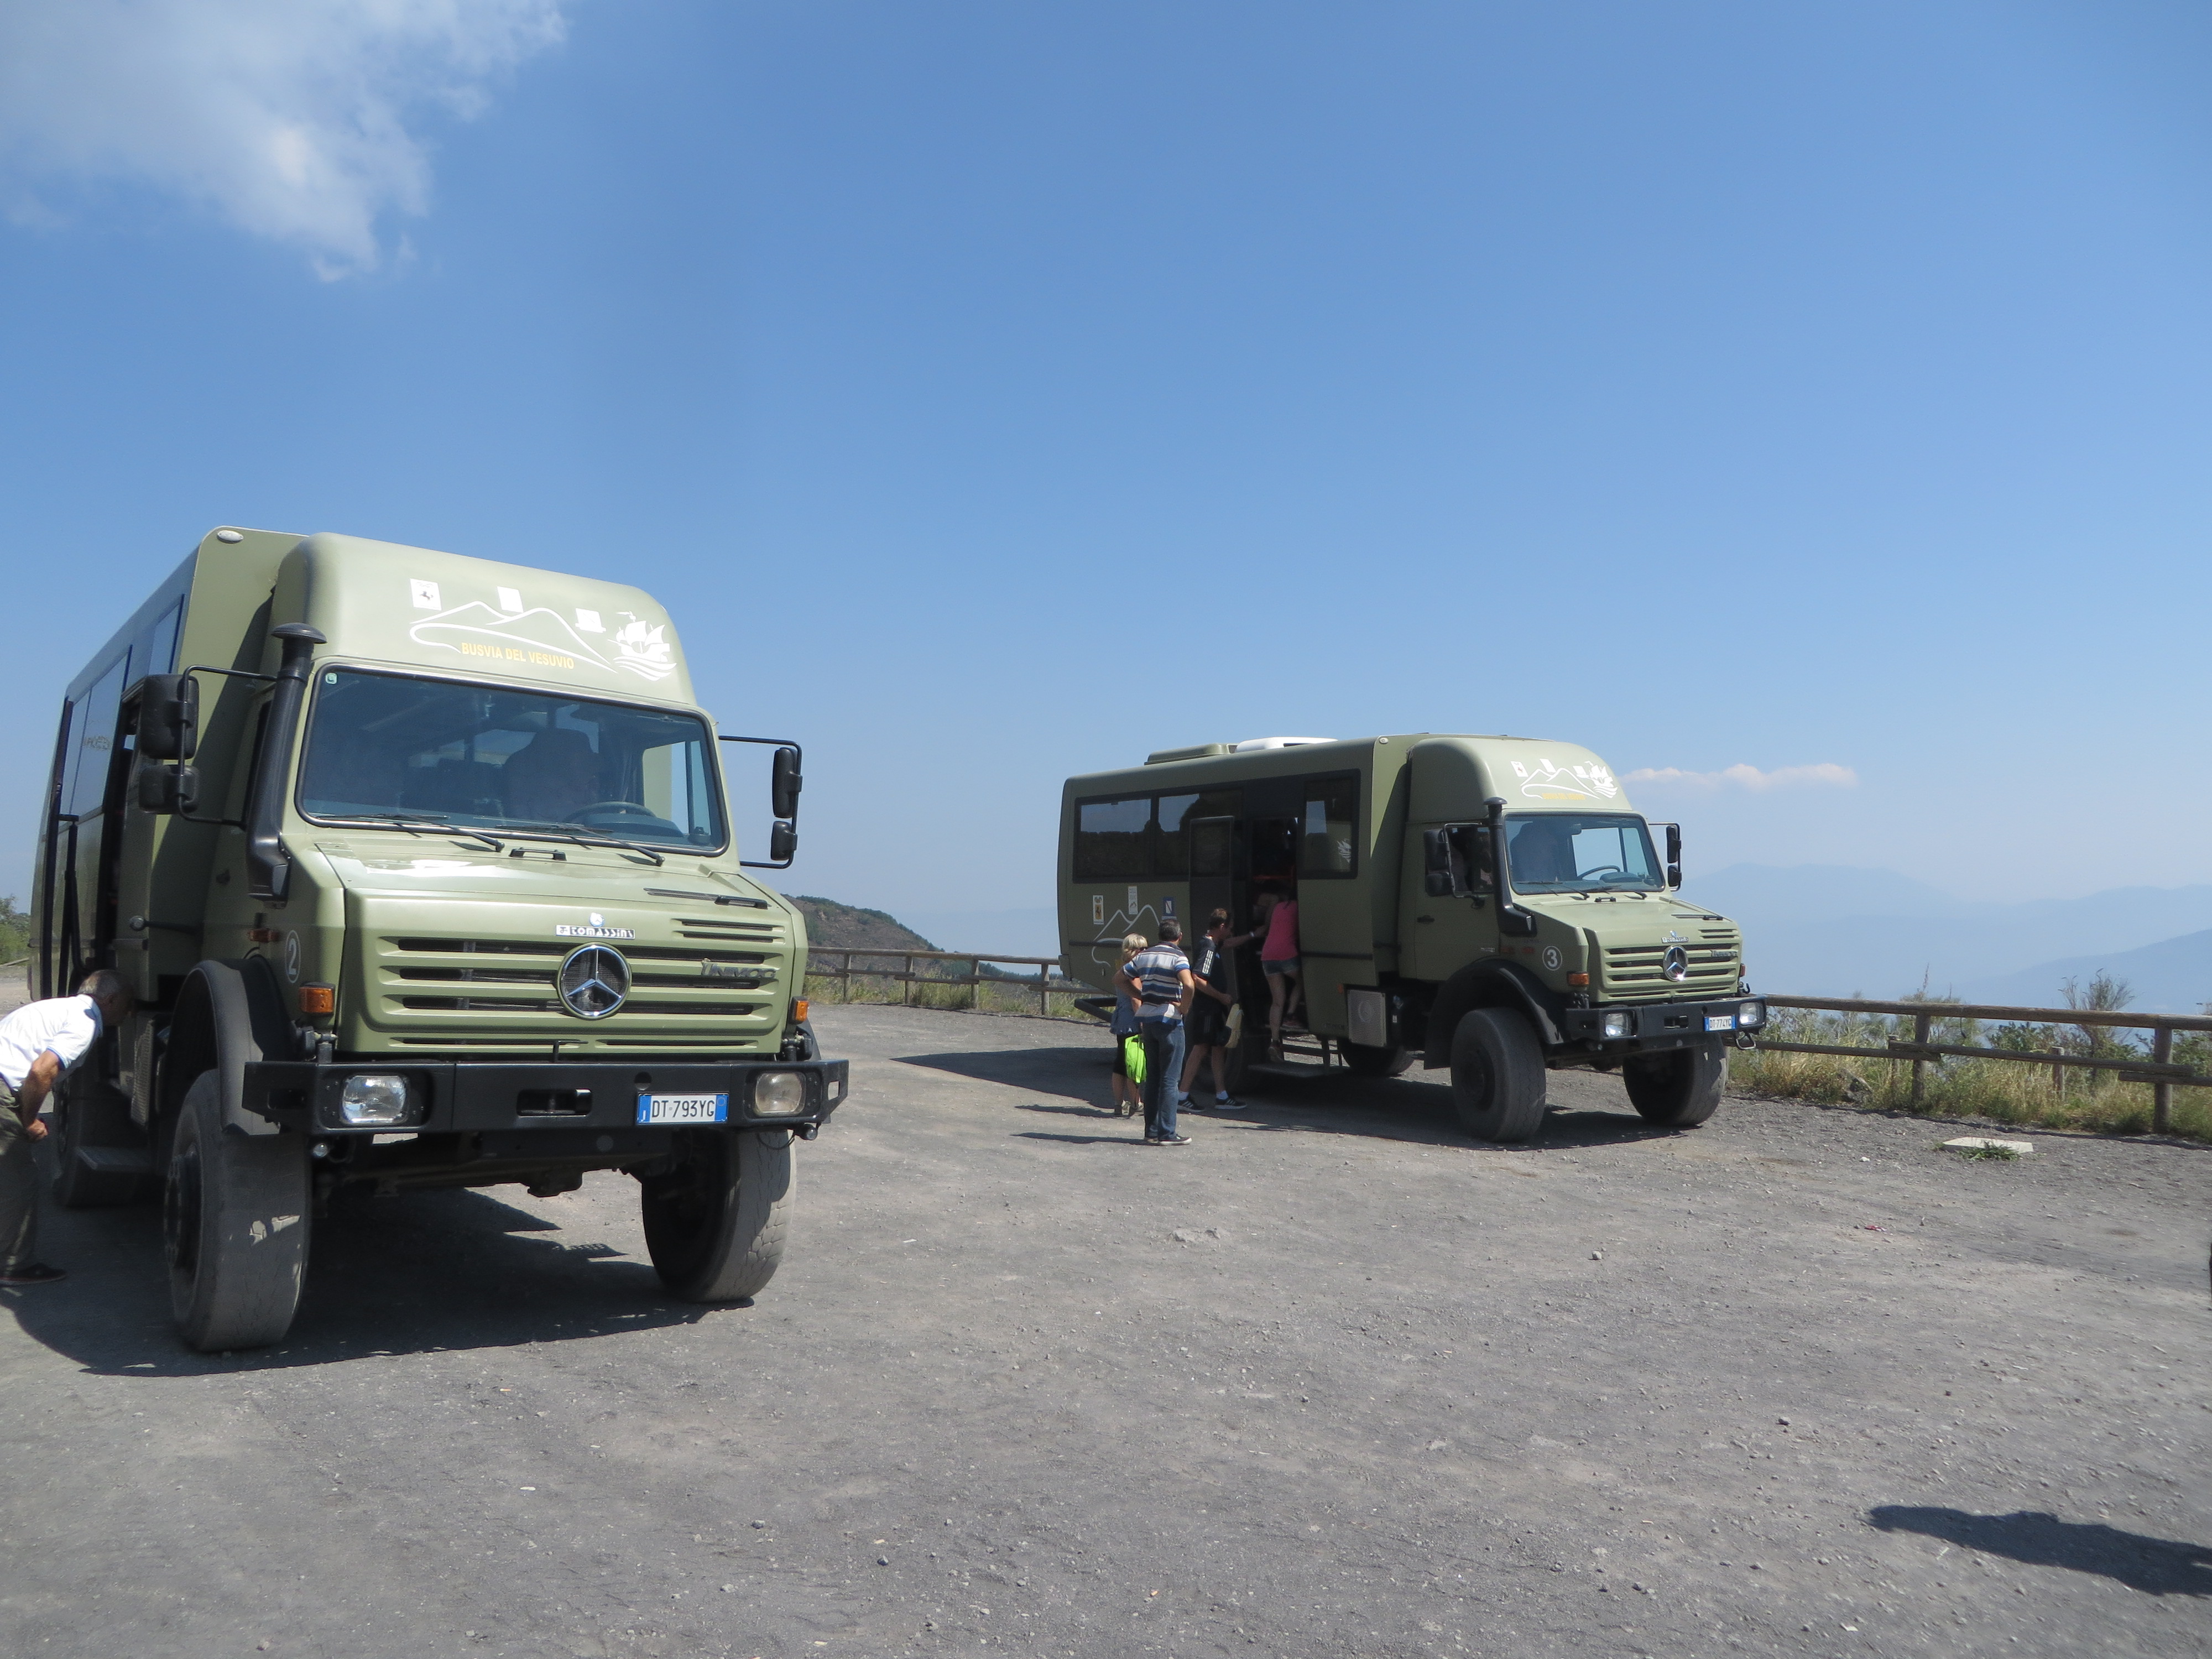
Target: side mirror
column 783, row 789
column 782, row 840
column 167, row 789
column 1436, row 863
column 169, row 717
column 1673, row 855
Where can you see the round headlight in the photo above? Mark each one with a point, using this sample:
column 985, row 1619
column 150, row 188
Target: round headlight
column 778, row 1094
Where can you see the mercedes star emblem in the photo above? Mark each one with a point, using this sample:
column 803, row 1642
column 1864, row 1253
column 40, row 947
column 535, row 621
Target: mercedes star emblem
column 1675, row 965
column 593, row 982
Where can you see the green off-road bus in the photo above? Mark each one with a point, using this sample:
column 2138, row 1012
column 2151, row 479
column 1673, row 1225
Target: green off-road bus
column 421, row 868
column 1489, row 904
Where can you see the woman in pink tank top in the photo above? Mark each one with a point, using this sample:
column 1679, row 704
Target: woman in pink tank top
column 1278, row 960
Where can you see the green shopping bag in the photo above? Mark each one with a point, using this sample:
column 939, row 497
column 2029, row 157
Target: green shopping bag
column 1132, row 1059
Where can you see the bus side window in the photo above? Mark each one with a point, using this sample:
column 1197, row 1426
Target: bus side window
column 1326, row 844
column 1113, row 839
column 95, row 743
column 156, row 650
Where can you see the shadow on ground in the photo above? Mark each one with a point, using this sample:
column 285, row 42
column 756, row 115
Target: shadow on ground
column 2157, row 1566
column 424, row 1272
column 1332, row 1102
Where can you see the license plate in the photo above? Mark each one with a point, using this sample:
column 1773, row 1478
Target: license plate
column 1720, row 1022
column 683, row 1108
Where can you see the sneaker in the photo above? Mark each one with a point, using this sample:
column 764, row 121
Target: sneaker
column 35, row 1273
column 1174, row 1140
column 1227, row 1103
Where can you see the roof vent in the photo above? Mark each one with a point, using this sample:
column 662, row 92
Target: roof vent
column 1196, row 751
column 1249, row 744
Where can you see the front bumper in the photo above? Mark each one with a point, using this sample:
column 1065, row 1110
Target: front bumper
column 1653, row 1025
column 519, row 1102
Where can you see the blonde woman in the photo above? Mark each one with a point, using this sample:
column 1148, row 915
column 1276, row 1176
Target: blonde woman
column 1127, row 1096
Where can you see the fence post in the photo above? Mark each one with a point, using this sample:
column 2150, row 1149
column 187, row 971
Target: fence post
column 1044, row 996
column 2162, row 1092
column 905, row 983
column 1922, row 1026
column 976, row 973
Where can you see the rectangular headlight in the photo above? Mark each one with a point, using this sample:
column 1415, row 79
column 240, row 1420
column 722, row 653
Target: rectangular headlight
column 374, row 1098
column 1750, row 1016
column 778, row 1094
column 1620, row 1024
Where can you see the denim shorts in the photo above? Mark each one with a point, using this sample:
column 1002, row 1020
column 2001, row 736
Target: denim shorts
column 1287, row 965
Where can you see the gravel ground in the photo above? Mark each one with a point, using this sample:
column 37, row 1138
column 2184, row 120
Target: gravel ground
column 1328, row 1381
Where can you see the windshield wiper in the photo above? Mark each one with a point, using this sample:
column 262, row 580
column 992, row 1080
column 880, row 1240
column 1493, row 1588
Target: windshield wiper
column 548, row 832
column 417, row 823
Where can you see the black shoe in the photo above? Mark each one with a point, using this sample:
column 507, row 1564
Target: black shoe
column 36, row 1273
column 1173, row 1140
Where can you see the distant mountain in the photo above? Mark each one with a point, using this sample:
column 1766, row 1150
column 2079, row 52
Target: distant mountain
column 848, row 928
column 1820, row 930
column 2173, row 977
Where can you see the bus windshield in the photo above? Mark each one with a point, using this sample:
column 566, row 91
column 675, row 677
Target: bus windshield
column 1580, row 852
column 506, row 760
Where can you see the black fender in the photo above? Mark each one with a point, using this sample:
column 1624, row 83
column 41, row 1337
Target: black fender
column 1489, row 984
column 229, row 1015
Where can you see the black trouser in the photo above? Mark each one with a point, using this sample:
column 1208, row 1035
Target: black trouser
column 19, row 1187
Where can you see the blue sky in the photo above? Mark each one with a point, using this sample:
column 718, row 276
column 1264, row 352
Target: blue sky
column 996, row 391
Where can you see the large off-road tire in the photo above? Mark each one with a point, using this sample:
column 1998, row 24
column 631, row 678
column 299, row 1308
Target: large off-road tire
column 234, row 1218
column 1497, row 1075
column 1363, row 1061
column 715, row 1224
column 101, row 1159
column 1680, row 1090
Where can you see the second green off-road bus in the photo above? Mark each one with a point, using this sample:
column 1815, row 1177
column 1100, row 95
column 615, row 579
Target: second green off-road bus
column 1492, row 905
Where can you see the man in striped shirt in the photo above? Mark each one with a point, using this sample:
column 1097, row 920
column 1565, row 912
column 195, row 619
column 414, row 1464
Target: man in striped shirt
column 1159, row 982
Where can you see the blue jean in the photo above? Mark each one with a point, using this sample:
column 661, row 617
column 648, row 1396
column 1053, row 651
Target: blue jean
column 1164, row 1053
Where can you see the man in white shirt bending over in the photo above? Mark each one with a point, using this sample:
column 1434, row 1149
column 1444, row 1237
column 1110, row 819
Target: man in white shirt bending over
column 39, row 1043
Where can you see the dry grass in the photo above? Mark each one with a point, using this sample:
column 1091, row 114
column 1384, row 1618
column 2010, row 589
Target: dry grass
column 2011, row 1092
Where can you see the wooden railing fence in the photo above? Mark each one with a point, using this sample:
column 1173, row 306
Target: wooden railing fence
column 1048, row 981
column 2159, row 1071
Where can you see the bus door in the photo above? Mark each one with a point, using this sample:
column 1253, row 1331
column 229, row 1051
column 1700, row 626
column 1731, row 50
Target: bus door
column 1220, row 871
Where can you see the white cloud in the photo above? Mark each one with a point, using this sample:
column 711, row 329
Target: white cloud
column 289, row 118
column 1749, row 777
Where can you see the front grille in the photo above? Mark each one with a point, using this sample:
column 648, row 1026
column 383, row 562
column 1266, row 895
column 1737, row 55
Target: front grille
column 552, row 1005
column 442, row 991
column 1636, row 972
